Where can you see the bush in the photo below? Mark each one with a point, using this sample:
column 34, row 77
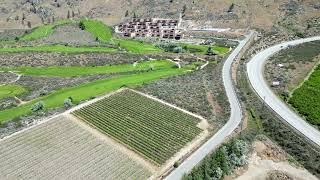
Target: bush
column 67, row 103
column 37, row 106
column 176, row 164
column 221, row 162
column 178, row 49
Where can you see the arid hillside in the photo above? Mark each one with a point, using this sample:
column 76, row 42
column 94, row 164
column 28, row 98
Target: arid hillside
column 262, row 14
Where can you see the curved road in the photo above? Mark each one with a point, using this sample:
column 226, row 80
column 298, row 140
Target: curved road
column 227, row 129
column 255, row 70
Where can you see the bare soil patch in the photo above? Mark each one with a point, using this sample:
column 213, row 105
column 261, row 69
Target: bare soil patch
column 268, row 162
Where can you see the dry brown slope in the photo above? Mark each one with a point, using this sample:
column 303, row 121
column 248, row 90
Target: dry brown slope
column 246, row 13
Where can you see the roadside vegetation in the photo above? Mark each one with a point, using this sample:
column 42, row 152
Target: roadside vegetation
column 71, row 71
column 222, row 162
column 151, row 128
column 296, row 64
column 264, row 122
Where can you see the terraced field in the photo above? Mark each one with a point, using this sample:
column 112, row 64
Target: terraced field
column 72, row 71
column 10, row 91
column 152, row 129
column 63, row 149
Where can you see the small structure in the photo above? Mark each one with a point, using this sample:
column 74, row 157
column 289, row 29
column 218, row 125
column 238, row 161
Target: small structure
column 280, row 65
column 151, row 27
column 275, row 83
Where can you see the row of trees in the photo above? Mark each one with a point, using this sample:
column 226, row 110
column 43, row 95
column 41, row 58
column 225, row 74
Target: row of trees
column 39, row 106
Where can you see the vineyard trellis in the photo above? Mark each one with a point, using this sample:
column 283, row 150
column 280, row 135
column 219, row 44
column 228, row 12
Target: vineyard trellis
column 152, row 129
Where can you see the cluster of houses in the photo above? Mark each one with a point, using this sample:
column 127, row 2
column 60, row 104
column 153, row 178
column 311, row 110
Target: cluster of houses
column 152, row 27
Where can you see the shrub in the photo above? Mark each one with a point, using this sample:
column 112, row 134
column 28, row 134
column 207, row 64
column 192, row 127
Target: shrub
column 176, row 164
column 37, row 106
column 67, row 103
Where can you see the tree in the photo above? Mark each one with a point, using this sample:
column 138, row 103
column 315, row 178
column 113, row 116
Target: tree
column 126, row 14
column 68, row 103
column 176, row 164
column 178, row 49
column 210, row 51
column 82, row 26
column 37, row 106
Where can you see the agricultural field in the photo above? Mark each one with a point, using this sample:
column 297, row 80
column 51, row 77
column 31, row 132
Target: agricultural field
column 42, row 31
column 10, row 91
column 202, row 49
column 90, row 90
column 57, row 48
column 152, row 129
column 71, row 71
column 63, row 149
column 100, row 31
column 306, row 99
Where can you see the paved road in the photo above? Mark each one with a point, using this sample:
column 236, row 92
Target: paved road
column 255, row 73
column 227, row 129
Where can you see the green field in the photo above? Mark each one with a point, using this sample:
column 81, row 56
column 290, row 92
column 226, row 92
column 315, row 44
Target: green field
column 88, row 90
column 70, row 71
column 306, row 99
column 42, row 31
column 202, row 49
column 104, row 34
column 57, row 48
column 151, row 128
column 10, row 91
column 100, row 31
column 136, row 46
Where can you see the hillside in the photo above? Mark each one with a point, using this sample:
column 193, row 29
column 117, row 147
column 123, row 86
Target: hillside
column 263, row 14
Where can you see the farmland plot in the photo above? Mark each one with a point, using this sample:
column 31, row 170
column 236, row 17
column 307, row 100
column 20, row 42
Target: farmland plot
column 62, row 149
column 150, row 128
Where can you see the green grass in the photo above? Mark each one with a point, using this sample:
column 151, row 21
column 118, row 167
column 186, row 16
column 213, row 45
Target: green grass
column 306, row 99
column 138, row 47
column 100, row 31
column 42, row 31
column 202, row 49
column 88, row 90
column 104, row 34
column 70, row 71
column 56, row 48
column 10, row 91
column 151, row 128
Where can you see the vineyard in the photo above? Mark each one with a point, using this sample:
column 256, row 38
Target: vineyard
column 152, row 129
column 306, row 99
column 62, row 149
